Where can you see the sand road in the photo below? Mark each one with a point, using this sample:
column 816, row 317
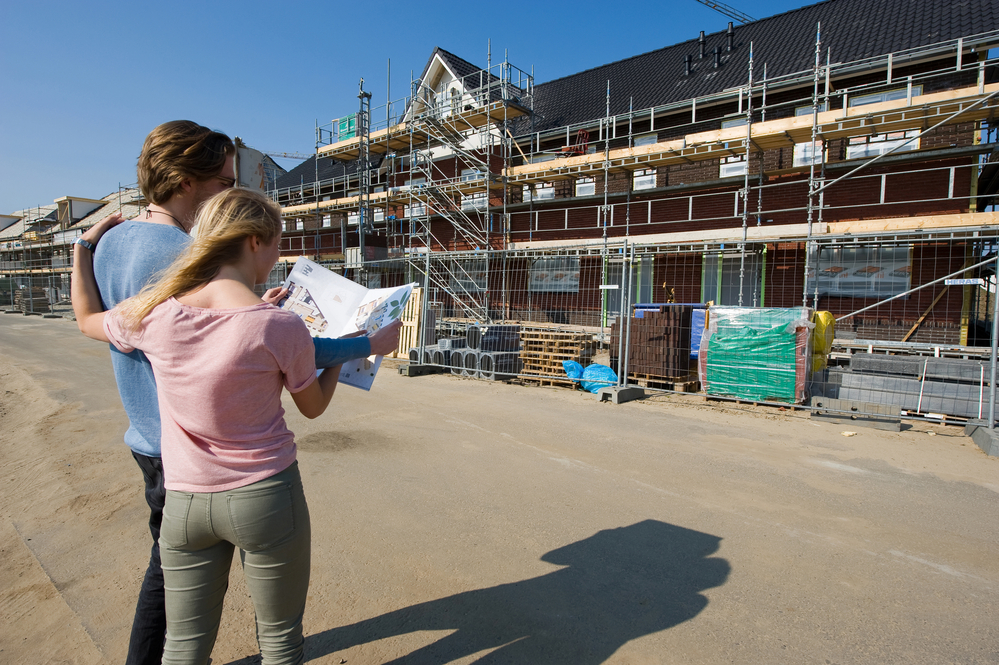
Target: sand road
column 458, row 521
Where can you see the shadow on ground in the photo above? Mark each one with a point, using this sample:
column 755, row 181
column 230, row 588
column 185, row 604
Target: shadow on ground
column 617, row 585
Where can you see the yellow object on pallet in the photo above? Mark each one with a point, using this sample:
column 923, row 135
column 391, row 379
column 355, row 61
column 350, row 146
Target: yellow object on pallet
column 822, row 339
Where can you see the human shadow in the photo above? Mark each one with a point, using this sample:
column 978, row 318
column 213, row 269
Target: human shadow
column 617, row 585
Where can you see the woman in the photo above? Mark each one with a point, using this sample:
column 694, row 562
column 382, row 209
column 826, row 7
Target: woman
column 221, row 357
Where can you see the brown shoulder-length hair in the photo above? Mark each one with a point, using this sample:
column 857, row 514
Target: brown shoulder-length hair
column 178, row 150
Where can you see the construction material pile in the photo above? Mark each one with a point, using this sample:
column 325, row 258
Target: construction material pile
column 658, row 344
column 757, row 354
column 543, row 352
column 912, row 385
column 32, row 300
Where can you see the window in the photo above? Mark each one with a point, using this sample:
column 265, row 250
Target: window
column 585, row 187
column 327, row 221
column 807, row 110
column 537, row 159
column 472, row 174
column 415, row 210
column 416, row 182
column 643, row 179
column 646, row 139
column 353, row 218
column 299, row 224
column 803, row 155
column 732, row 166
column 879, row 144
column 379, row 215
column 733, row 122
column 541, row 192
column 886, row 96
column 477, row 201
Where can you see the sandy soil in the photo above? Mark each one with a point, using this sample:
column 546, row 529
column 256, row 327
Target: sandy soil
column 459, row 521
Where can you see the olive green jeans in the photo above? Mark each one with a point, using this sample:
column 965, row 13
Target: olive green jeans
column 269, row 522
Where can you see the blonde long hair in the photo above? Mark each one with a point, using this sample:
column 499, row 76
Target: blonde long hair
column 224, row 222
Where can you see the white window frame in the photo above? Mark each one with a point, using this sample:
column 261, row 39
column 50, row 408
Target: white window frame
column 643, row 179
column 476, row 201
column 585, row 187
column 646, row 139
column 807, row 110
column 469, row 175
column 299, row 224
column 733, row 166
column 544, row 191
column 327, row 221
column 884, row 96
column 860, row 147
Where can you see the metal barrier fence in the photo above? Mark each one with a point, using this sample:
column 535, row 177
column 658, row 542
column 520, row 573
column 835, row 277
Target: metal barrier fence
column 894, row 326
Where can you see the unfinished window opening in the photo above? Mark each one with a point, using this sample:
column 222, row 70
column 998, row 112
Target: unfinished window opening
column 721, row 281
column 804, row 155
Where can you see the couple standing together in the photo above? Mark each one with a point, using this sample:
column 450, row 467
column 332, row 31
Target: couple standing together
column 201, row 362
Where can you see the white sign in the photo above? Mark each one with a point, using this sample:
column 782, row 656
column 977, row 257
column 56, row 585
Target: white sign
column 978, row 281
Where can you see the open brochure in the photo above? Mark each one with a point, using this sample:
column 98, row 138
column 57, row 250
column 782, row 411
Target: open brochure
column 334, row 306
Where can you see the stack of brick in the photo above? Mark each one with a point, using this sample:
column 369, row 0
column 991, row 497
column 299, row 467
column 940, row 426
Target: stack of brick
column 659, row 345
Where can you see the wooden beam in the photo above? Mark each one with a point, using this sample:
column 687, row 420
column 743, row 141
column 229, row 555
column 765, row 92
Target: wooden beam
column 926, row 313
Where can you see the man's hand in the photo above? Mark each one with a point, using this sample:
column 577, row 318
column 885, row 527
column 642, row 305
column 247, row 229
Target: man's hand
column 386, row 340
column 95, row 232
column 274, row 296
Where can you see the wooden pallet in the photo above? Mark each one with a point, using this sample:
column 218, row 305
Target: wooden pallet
column 676, row 384
column 409, row 336
column 541, row 380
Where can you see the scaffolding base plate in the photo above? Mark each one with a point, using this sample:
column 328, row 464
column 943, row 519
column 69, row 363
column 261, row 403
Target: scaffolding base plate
column 987, row 439
column 620, row 394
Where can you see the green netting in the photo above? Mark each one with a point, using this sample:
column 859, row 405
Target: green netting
column 756, row 365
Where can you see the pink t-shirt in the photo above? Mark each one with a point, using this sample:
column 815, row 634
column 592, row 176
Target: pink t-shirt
column 219, row 375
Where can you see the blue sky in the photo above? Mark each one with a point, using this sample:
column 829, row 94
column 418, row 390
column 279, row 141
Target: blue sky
column 82, row 83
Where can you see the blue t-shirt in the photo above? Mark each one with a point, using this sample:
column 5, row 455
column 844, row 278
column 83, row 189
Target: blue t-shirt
column 128, row 257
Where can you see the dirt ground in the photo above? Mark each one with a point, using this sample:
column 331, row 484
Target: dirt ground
column 461, row 521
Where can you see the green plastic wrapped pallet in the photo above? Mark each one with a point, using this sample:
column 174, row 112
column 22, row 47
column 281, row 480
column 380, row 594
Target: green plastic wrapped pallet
column 751, row 364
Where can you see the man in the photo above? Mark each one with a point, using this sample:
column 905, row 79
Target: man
column 182, row 164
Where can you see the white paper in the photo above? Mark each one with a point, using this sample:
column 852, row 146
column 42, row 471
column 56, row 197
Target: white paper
column 334, row 306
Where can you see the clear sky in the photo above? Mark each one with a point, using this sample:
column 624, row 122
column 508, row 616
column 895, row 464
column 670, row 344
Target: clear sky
column 83, row 82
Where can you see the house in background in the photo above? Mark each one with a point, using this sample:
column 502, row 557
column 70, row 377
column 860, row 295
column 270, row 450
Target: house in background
column 769, row 164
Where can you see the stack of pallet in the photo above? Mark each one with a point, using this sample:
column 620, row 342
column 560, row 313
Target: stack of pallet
column 658, row 347
column 32, row 300
column 543, row 351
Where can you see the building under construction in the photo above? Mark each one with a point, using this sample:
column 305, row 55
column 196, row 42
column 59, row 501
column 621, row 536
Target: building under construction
column 837, row 158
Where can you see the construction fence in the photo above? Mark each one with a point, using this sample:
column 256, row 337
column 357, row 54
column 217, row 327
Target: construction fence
column 881, row 327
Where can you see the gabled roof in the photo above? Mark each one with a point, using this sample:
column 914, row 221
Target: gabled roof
column 852, row 29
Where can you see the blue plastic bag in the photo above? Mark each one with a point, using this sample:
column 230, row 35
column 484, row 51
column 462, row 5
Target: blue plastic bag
column 592, row 378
